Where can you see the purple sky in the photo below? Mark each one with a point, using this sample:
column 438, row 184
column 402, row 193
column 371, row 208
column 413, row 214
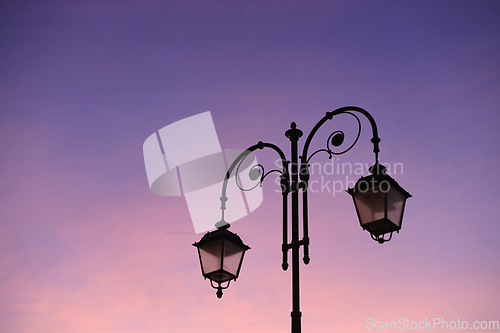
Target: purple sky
column 86, row 247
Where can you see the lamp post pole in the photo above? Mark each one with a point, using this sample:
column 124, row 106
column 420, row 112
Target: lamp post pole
column 294, row 134
column 370, row 203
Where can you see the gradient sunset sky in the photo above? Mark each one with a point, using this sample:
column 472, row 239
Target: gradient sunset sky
column 86, row 247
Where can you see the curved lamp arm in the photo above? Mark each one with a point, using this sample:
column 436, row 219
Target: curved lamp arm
column 329, row 115
column 336, row 138
column 285, row 178
column 284, row 183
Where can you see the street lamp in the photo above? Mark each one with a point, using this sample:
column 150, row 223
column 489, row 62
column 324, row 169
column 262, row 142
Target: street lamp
column 379, row 202
column 221, row 254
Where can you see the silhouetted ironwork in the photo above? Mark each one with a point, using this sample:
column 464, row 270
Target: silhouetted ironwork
column 379, row 200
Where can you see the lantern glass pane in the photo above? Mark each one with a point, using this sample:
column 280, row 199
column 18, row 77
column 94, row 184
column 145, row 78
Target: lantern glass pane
column 370, row 205
column 211, row 254
column 232, row 257
column 395, row 202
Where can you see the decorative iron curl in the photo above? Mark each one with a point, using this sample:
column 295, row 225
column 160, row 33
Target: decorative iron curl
column 336, row 139
column 380, row 238
column 256, row 173
column 219, row 287
column 329, row 116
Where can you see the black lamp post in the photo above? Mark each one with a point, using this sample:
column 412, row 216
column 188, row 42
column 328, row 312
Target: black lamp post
column 378, row 198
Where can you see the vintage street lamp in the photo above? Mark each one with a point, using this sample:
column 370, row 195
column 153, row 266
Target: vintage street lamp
column 379, row 202
column 221, row 254
column 378, row 198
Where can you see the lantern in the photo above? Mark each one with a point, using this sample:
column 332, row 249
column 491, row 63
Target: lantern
column 221, row 254
column 380, row 202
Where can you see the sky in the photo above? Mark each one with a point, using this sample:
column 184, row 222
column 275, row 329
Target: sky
column 85, row 246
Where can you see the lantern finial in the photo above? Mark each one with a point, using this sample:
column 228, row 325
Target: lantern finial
column 378, row 169
column 222, row 224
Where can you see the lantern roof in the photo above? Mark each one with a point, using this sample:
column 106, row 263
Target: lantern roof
column 222, row 232
column 376, row 179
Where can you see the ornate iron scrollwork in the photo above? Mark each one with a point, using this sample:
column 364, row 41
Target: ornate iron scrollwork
column 336, row 139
